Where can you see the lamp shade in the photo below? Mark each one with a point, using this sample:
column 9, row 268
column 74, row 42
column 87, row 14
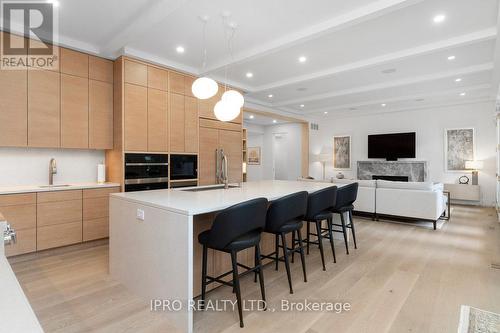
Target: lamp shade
column 233, row 97
column 225, row 111
column 474, row 165
column 204, row 88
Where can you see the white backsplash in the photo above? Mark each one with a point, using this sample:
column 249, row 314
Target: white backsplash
column 30, row 166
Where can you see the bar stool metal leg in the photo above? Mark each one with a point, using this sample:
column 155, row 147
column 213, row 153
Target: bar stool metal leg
column 287, row 262
column 344, row 231
column 236, row 284
column 308, row 237
column 330, row 234
column 320, row 241
column 302, row 257
column 261, row 274
column 352, row 229
column 293, row 246
column 204, row 276
column 277, row 252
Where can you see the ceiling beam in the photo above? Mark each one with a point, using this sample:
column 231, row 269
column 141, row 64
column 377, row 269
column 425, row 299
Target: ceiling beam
column 142, row 21
column 359, row 15
column 477, row 36
column 392, row 84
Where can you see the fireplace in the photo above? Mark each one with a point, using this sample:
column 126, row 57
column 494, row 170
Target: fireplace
column 391, row 178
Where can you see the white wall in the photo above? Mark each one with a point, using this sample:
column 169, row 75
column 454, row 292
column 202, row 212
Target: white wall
column 429, row 124
column 263, row 136
column 30, row 166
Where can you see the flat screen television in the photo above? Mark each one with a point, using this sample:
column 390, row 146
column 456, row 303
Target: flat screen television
column 392, row 146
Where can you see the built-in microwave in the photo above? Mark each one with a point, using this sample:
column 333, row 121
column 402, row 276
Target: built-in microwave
column 183, row 167
column 146, row 172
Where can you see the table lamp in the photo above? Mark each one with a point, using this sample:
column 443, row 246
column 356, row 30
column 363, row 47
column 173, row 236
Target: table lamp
column 475, row 166
column 323, row 157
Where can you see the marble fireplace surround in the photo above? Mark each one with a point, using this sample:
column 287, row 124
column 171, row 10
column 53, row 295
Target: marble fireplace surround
column 416, row 171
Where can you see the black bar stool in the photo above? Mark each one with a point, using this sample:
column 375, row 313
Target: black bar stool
column 285, row 216
column 235, row 229
column 346, row 196
column 319, row 206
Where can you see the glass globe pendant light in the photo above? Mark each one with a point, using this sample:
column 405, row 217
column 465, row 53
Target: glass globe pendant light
column 204, row 87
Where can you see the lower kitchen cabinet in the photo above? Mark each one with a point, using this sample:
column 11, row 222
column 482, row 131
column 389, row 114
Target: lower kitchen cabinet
column 47, row 220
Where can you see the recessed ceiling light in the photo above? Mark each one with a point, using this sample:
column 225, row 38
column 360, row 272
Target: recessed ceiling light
column 270, row 95
column 439, row 18
column 326, row 112
column 302, row 105
column 383, row 105
column 458, row 80
column 302, row 59
column 463, row 94
column 249, row 74
column 54, row 3
column 452, row 57
column 251, row 116
column 274, row 121
column 179, row 49
column 389, row 71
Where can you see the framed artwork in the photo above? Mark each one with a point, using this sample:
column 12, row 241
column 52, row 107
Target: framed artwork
column 253, row 157
column 342, row 152
column 459, row 147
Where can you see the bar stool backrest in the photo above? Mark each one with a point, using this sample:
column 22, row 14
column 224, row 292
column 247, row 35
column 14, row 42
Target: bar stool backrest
column 320, row 201
column 289, row 208
column 346, row 195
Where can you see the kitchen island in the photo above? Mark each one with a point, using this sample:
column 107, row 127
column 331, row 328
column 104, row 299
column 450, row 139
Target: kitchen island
column 153, row 239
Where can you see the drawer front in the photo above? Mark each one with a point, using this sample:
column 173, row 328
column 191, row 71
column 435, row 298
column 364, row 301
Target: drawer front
column 26, row 243
column 100, row 192
column 59, row 235
column 95, row 208
column 59, row 196
column 95, row 229
column 52, row 213
column 20, row 216
column 17, row 199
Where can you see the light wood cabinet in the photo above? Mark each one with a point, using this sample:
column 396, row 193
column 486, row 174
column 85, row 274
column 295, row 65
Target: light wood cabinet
column 100, row 115
column 59, row 207
column 58, row 235
column 100, row 69
column 209, row 142
column 136, row 118
column 177, row 120
column 136, row 73
column 214, row 135
column 176, row 83
column 44, row 116
column 157, row 78
column 190, row 125
column 74, row 111
column 20, row 211
column 14, row 108
column 157, row 120
column 96, row 213
column 74, row 63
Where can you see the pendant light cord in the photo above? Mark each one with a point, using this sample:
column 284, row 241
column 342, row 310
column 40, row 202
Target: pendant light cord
column 204, row 65
column 228, row 39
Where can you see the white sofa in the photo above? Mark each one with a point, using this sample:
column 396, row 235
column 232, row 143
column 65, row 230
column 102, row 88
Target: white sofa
column 414, row 200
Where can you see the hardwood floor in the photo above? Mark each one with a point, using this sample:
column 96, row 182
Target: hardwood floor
column 402, row 278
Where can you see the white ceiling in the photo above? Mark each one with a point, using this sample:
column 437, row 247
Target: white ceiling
column 347, row 44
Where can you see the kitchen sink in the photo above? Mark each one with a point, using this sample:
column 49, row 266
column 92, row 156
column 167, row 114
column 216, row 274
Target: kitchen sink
column 54, row 186
column 209, row 188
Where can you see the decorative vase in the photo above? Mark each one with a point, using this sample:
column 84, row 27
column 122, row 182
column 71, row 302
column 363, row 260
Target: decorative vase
column 340, row 175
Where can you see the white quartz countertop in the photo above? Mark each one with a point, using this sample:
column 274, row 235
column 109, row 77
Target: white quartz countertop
column 45, row 188
column 195, row 203
column 16, row 314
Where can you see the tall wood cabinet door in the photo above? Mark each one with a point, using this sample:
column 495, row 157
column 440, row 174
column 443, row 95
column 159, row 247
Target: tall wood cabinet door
column 136, row 118
column 100, row 115
column 44, row 115
column 157, row 120
column 13, row 108
column 157, row 78
column 232, row 143
column 74, row 111
column 74, row 63
column 100, row 69
column 136, row 73
column 177, row 119
column 209, row 142
column 206, row 106
column 191, row 125
column 176, row 83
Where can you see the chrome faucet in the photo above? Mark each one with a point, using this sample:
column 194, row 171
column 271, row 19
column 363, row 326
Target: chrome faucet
column 221, row 168
column 52, row 170
column 9, row 236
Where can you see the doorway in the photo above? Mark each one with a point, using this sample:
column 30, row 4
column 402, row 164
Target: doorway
column 280, row 148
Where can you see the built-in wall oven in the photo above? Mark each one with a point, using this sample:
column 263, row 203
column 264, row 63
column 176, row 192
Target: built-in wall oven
column 144, row 171
column 183, row 170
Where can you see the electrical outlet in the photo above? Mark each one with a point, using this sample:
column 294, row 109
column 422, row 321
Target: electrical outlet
column 140, row 214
